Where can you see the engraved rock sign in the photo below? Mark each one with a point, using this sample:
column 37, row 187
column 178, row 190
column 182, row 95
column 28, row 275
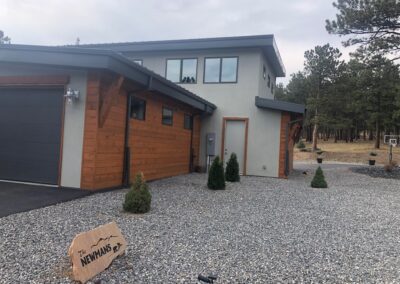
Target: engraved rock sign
column 93, row 251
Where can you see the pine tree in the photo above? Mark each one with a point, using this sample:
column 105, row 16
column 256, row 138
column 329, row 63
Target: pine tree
column 216, row 179
column 319, row 179
column 138, row 198
column 232, row 169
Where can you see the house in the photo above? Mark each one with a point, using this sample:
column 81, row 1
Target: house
column 91, row 119
column 238, row 75
column 93, row 116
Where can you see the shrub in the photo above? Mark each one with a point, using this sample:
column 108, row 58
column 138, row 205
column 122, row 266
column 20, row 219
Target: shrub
column 390, row 166
column 373, row 154
column 301, row 145
column 319, row 179
column 216, row 179
column 232, row 169
column 138, row 198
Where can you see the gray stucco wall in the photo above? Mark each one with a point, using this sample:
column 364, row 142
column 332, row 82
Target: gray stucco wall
column 73, row 120
column 233, row 100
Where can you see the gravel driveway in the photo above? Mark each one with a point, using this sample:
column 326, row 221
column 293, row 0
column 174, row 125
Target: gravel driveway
column 261, row 230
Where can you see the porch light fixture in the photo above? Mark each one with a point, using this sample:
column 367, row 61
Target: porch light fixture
column 72, row 95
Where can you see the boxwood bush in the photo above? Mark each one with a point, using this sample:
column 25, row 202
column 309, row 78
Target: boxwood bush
column 319, row 179
column 232, row 169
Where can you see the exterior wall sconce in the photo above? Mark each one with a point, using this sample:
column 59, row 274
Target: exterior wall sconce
column 72, row 95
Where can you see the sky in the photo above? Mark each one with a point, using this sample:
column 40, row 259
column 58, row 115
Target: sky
column 298, row 25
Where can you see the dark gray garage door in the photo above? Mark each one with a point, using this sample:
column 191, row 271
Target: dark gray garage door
column 30, row 134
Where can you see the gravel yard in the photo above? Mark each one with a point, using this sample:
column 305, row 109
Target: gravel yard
column 260, row 230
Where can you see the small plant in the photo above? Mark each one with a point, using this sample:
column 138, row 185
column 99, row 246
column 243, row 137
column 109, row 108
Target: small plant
column 232, row 169
column 390, row 166
column 301, row 145
column 138, row 198
column 319, row 179
column 373, row 154
column 216, row 179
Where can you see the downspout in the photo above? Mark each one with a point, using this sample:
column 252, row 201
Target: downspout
column 191, row 162
column 126, row 170
column 288, row 126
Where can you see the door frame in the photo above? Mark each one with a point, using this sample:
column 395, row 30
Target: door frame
column 246, row 121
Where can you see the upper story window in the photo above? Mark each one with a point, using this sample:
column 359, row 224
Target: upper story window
column 138, row 61
column 182, row 70
column 220, row 70
column 138, row 108
column 188, row 121
column 167, row 116
column 269, row 81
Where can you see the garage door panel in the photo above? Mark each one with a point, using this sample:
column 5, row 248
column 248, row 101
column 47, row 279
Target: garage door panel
column 30, row 128
column 29, row 133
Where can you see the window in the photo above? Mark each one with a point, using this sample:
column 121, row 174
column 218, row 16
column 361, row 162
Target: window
column 264, row 72
column 167, row 116
column 220, row 70
column 138, row 108
column 182, row 70
column 188, row 121
column 138, row 61
column 269, row 81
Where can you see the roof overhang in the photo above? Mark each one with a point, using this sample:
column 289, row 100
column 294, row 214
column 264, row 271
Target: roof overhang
column 265, row 42
column 83, row 58
column 280, row 105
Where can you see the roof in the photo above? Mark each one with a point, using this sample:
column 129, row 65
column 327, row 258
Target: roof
column 73, row 57
column 265, row 42
column 279, row 105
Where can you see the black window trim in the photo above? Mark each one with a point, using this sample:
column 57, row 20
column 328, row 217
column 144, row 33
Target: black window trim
column 162, row 116
column 130, row 108
column 220, row 69
column 181, row 68
column 191, row 121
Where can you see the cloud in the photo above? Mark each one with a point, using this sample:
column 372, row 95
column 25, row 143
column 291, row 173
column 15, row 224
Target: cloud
column 298, row 25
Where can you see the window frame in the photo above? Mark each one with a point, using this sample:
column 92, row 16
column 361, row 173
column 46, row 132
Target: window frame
column 220, row 69
column 181, row 69
column 162, row 116
column 191, row 121
column 130, row 108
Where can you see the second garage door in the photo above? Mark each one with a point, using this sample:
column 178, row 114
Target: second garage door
column 30, row 134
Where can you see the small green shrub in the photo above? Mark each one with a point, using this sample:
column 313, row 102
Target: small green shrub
column 138, row 198
column 301, row 145
column 216, row 179
column 319, row 179
column 232, row 169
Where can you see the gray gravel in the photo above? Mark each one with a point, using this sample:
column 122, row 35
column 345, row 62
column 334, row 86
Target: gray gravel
column 378, row 172
column 260, row 230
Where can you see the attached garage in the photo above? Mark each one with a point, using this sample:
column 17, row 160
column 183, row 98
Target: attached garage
column 30, row 140
column 92, row 141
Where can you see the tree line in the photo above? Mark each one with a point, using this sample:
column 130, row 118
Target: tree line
column 357, row 99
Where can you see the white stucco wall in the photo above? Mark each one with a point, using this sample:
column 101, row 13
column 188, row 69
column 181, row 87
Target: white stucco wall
column 73, row 120
column 233, row 100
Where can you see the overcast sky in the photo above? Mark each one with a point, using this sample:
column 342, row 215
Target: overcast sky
column 298, row 25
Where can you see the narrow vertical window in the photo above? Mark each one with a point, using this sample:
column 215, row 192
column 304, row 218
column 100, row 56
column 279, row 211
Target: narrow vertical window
column 138, row 108
column 188, row 121
column 167, row 116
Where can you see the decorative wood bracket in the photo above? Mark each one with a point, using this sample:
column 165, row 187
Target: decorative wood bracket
column 108, row 97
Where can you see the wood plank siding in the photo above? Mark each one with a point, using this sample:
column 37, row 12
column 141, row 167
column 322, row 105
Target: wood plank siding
column 157, row 150
column 285, row 119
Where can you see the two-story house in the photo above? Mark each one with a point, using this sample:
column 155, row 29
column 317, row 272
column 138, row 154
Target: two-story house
column 238, row 75
column 93, row 116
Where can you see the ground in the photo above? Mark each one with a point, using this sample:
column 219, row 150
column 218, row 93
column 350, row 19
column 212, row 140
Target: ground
column 256, row 231
column 356, row 152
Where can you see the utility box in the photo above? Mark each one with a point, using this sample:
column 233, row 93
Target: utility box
column 210, row 145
